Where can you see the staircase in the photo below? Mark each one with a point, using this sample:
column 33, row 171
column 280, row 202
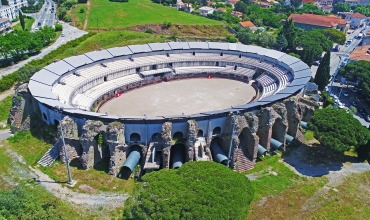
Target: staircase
column 199, row 152
column 242, row 162
column 153, row 162
column 300, row 137
column 50, row 156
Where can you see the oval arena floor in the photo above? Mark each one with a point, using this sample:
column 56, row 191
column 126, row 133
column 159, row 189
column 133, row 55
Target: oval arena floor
column 183, row 96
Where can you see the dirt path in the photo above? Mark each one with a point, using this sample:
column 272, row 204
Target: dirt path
column 87, row 15
column 20, row 171
column 7, row 93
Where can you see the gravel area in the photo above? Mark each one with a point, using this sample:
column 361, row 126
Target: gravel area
column 184, row 96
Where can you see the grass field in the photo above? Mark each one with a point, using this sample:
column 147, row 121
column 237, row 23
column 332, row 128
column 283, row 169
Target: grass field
column 77, row 16
column 138, row 12
column 28, row 24
column 5, row 106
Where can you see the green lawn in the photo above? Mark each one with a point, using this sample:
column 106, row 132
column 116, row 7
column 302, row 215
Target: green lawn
column 5, row 106
column 77, row 16
column 28, row 24
column 138, row 12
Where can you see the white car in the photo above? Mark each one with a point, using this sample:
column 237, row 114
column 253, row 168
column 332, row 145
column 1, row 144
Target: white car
column 340, row 105
column 62, row 35
column 36, row 29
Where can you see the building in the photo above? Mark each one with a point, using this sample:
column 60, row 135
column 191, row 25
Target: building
column 4, row 25
column 287, row 3
column 237, row 14
column 352, row 2
column 325, row 8
column 232, row 2
column 11, row 11
column 206, row 10
column 362, row 52
column 245, row 24
column 311, row 21
column 221, row 9
column 184, row 6
column 356, row 19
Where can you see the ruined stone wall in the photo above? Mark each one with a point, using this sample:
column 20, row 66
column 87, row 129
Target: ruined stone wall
column 117, row 146
column 293, row 116
column 91, row 152
column 167, row 143
column 250, row 149
column 193, row 129
column 71, row 139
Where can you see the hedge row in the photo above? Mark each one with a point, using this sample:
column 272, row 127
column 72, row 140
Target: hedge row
column 7, row 81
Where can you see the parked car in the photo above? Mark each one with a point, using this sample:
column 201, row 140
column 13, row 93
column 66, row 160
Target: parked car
column 62, row 35
column 354, row 89
column 39, row 23
column 36, row 29
column 354, row 103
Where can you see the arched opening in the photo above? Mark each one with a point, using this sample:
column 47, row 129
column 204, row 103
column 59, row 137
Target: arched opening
column 105, row 78
column 222, row 53
column 247, row 144
column 200, row 133
column 217, row 64
column 278, row 134
column 170, row 64
column 178, row 135
column 56, row 122
column 216, row 131
column 154, row 67
column 132, row 159
column 138, row 69
column 178, row 154
column 193, row 53
column 218, row 153
column 156, row 137
column 44, row 116
column 168, row 54
column 235, row 67
column 135, row 137
column 240, row 56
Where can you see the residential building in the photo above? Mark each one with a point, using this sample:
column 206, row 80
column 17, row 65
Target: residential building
column 312, row 21
column 265, row 4
column 10, row 11
column 245, row 24
column 325, row 8
column 5, row 25
column 287, row 3
column 221, row 9
column 323, row 2
column 237, row 14
column 356, row 19
column 231, row 2
column 184, row 6
column 352, row 2
column 206, row 10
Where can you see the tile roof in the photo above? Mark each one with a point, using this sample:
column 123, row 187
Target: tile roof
column 361, row 53
column 246, row 24
column 356, row 15
column 221, row 9
column 317, row 20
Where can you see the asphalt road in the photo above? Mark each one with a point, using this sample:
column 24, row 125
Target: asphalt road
column 45, row 17
column 5, row 134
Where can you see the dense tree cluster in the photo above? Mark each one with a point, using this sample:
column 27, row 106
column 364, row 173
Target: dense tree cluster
column 64, row 6
column 336, row 36
column 359, row 70
column 322, row 76
column 246, row 36
column 341, row 7
column 365, row 10
column 32, row 8
column 197, row 190
column 25, row 203
column 18, row 43
column 338, row 130
column 310, row 8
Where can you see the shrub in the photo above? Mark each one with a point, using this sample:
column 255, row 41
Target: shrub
column 198, row 190
column 166, row 24
column 25, row 57
column 67, row 18
column 231, row 39
column 149, row 31
column 58, row 27
column 82, row 10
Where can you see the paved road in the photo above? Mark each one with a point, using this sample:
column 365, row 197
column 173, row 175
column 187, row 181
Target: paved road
column 70, row 34
column 5, row 134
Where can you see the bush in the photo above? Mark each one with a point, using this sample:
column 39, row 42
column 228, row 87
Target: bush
column 58, row 27
column 197, row 190
column 82, row 10
column 231, row 39
column 25, row 57
column 166, row 24
column 149, row 31
column 67, row 18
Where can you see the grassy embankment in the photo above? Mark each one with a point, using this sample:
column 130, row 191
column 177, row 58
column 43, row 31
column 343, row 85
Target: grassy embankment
column 77, row 15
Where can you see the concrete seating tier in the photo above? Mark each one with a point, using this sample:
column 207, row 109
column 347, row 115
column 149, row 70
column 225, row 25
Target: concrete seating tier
column 269, row 85
column 152, row 72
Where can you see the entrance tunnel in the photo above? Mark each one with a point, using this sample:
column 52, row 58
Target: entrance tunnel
column 178, row 155
column 217, row 153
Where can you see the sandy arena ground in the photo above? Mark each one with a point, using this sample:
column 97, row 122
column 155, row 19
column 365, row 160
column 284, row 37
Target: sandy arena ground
column 184, row 96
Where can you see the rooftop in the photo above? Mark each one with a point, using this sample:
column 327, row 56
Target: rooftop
column 317, row 20
column 356, row 15
column 361, row 53
column 206, row 8
column 246, row 24
column 4, row 20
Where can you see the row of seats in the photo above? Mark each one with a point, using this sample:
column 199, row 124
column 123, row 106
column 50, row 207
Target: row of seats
column 269, row 85
column 87, row 99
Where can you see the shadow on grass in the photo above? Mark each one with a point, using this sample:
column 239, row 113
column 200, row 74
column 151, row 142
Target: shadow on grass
column 315, row 160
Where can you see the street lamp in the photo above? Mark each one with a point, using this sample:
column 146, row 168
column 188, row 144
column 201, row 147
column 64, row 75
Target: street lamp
column 58, row 112
column 97, row 23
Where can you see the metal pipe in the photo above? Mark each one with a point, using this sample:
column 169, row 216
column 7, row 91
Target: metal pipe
column 304, row 124
column 261, row 150
column 275, row 143
column 178, row 157
column 133, row 158
column 288, row 138
column 217, row 153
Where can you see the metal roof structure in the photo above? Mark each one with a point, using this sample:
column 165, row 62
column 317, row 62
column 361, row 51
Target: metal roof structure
column 42, row 82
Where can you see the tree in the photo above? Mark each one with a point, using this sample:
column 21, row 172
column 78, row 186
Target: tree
column 289, row 33
column 281, row 41
column 197, row 190
column 21, row 20
column 247, row 2
column 188, row 2
column 296, row 3
column 336, row 36
column 358, row 71
column 337, row 130
column 341, row 7
column 246, row 36
column 25, row 72
column 266, row 40
column 4, row 2
column 241, row 6
column 322, row 76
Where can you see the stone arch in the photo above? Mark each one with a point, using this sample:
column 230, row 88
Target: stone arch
column 156, row 137
column 248, row 143
column 217, row 151
column 56, row 122
column 135, row 137
column 178, row 155
column 44, row 116
column 200, row 133
column 279, row 131
column 216, row 131
column 178, row 135
column 126, row 170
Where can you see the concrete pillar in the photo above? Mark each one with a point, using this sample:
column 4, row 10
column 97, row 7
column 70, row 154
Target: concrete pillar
column 167, row 143
column 91, row 152
column 117, row 146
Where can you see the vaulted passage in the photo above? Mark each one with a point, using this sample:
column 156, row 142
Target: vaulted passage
column 131, row 161
column 218, row 154
column 178, row 155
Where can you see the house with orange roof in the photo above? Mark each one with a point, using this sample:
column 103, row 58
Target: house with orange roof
column 245, row 24
column 312, row 21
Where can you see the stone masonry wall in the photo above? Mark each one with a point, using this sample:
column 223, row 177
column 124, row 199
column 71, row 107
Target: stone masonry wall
column 167, row 143
column 71, row 139
column 117, row 146
column 193, row 129
column 91, row 152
